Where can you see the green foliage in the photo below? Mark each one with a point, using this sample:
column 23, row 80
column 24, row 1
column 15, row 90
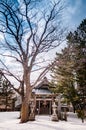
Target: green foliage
column 69, row 74
column 6, row 93
column 78, row 43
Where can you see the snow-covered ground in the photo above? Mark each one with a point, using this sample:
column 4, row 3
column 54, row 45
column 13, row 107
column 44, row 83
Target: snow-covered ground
column 10, row 121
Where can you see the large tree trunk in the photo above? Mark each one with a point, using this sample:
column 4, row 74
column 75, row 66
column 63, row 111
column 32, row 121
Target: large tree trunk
column 25, row 109
column 24, row 112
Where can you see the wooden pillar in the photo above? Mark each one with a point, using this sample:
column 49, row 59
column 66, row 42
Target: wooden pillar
column 35, row 103
column 50, row 107
column 39, row 108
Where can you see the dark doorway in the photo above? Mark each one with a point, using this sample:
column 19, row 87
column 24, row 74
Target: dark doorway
column 43, row 107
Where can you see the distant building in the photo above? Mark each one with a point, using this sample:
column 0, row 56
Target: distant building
column 7, row 104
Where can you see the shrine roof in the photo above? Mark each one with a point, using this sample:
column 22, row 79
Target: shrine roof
column 43, row 84
column 43, row 87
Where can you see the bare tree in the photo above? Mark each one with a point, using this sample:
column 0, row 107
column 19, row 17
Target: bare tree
column 29, row 29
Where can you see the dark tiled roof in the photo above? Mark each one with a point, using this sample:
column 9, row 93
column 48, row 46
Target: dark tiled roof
column 44, row 84
column 43, row 87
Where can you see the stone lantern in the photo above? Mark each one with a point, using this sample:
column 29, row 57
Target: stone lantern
column 32, row 113
column 54, row 115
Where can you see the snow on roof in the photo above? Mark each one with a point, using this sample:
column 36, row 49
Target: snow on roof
column 42, row 91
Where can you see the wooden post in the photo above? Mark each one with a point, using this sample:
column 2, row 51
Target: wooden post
column 39, row 108
column 50, row 107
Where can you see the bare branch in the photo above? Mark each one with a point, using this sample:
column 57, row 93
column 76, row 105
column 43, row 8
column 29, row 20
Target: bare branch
column 43, row 73
column 8, row 72
column 16, row 89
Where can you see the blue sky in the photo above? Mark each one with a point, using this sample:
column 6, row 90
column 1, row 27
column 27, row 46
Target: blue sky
column 76, row 12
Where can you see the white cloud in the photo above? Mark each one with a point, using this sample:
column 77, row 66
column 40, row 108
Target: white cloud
column 72, row 10
column 1, row 36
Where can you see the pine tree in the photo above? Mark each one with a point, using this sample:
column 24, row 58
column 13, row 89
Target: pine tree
column 78, row 43
column 6, row 94
column 63, row 74
column 70, row 69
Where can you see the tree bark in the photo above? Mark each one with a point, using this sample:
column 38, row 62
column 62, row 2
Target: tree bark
column 24, row 112
column 25, row 109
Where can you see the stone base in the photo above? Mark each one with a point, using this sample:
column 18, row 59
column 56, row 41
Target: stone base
column 54, row 118
column 32, row 117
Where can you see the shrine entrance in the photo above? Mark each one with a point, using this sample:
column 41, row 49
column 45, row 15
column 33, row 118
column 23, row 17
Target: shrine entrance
column 44, row 107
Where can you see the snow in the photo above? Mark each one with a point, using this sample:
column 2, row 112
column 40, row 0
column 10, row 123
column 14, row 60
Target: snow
column 10, row 121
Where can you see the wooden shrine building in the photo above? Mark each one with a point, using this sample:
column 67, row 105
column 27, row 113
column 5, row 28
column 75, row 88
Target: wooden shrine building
column 43, row 98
